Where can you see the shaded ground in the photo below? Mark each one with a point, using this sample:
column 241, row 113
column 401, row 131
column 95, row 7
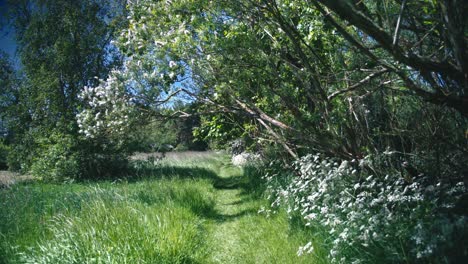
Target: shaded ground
column 239, row 234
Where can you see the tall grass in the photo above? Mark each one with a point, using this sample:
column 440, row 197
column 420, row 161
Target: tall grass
column 151, row 221
column 121, row 232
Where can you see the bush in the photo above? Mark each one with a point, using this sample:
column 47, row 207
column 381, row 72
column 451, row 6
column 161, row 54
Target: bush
column 246, row 159
column 60, row 156
column 56, row 159
column 99, row 166
column 21, row 153
column 4, row 149
column 376, row 218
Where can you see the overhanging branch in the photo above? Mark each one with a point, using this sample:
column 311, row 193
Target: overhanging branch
column 357, row 85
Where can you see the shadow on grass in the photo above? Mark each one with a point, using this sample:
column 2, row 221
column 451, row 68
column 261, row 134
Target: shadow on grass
column 218, row 217
column 249, row 183
column 230, row 183
column 146, row 170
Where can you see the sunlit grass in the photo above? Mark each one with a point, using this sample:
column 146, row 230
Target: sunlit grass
column 152, row 221
column 122, row 231
column 275, row 241
column 195, row 209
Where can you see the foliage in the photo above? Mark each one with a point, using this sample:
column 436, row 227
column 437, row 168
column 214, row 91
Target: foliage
column 63, row 46
column 4, row 149
column 164, row 132
column 410, row 34
column 376, row 217
column 277, row 72
column 57, row 161
column 150, row 137
column 7, row 83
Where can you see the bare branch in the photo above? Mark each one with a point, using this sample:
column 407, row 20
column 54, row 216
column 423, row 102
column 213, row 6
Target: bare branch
column 277, row 137
column 256, row 112
column 358, row 84
column 346, row 10
column 397, row 28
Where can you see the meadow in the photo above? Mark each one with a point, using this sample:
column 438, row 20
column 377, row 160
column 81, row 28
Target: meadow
column 188, row 208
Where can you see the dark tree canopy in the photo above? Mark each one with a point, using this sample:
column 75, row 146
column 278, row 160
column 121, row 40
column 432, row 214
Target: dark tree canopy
column 427, row 41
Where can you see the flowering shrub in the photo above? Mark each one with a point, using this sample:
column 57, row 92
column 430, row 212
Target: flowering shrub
column 245, row 159
column 107, row 108
column 406, row 220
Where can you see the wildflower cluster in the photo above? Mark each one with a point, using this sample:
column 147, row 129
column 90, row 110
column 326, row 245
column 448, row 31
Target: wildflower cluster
column 362, row 212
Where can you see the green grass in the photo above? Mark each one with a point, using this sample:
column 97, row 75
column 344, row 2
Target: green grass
column 149, row 221
column 190, row 210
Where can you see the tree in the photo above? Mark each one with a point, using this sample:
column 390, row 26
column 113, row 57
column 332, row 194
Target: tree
column 63, row 46
column 6, row 92
column 426, row 41
column 286, row 72
column 7, row 98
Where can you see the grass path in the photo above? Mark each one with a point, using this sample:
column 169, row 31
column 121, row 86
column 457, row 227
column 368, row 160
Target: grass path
column 240, row 234
column 229, row 208
column 225, row 233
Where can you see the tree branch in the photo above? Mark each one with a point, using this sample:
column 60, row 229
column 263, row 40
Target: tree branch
column 277, row 137
column 256, row 112
column 397, row 28
column 357, row 85
column 347, row 11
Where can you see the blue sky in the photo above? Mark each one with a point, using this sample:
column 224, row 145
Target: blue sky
column 7, row 35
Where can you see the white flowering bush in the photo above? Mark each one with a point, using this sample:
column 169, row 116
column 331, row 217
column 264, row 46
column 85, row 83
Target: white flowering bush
column 246, row 159
column 365, row 214
column 107, row 108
